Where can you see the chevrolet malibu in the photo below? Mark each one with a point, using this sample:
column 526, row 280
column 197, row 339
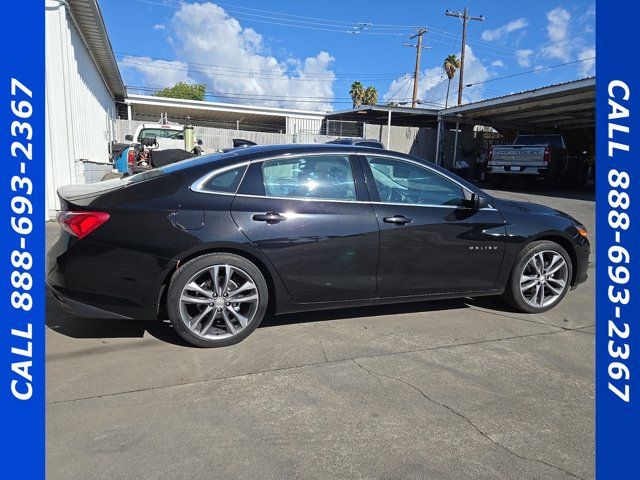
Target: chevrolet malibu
column 217, row 242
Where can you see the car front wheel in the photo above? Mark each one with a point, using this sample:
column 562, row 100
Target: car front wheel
column 540, row 278
column 217, row 299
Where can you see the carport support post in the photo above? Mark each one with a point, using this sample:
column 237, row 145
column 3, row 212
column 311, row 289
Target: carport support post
column 438, row 139
column 388, row 130
column 455, row 146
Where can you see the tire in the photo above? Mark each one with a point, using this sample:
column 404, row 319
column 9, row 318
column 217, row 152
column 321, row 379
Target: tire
column 497, row 180
column 524, row 273
column 186, row 305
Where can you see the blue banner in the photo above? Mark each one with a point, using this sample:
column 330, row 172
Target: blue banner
column 22, row 183
column 618, row 230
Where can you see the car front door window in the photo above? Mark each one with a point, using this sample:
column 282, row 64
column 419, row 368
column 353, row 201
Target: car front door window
column 407, row 183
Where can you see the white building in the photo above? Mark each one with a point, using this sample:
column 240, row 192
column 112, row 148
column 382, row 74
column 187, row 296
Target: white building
column 83, row 84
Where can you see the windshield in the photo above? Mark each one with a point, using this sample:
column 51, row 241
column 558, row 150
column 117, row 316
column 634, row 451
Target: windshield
column 161, row 133
column 553, row 140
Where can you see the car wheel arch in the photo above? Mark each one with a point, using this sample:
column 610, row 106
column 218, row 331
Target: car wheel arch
column 277, row 290
column 566, row 243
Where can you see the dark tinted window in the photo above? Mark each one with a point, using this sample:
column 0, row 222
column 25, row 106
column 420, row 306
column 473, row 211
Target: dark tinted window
column 553, row 140
column 322, row 177
column 404, row 182
column 225, row 182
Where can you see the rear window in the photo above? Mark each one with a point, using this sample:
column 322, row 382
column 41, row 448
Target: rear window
column 161, row 133
column 553, row 140
column 176, row 167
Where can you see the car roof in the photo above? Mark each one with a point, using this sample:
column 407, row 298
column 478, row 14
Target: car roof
column 305, row 148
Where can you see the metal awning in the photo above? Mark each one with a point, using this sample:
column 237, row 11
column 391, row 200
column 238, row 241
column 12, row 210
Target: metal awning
column 379, row 115
column 562, row 107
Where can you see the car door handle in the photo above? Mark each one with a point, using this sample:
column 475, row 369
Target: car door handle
column 398, row 220
column 269, row 217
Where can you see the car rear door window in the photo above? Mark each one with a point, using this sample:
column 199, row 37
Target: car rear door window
column 327, row 177
column 408, row 183
column 226, row 181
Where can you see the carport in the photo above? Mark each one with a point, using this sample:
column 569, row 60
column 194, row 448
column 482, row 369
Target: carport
column 566, row 108
column 388, row 116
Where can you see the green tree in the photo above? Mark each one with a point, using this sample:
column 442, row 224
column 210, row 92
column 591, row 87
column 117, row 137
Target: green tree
column 451, row 64
column 357, row 93
column 370, row 96
column 184, row 90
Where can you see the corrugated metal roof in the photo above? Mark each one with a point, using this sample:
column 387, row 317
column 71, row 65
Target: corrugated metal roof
column 88, row 18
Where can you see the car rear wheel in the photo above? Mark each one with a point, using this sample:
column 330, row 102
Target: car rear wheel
column 540, row 278
column 217, row 299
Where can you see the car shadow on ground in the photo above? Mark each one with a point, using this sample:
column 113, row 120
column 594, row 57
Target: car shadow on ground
column 79, row 327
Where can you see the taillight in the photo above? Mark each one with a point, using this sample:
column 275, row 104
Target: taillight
column 547, row 154
column 131, row 157
column 81, row 224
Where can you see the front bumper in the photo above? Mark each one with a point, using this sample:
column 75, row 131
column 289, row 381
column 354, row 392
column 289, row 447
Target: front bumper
column 583, row 250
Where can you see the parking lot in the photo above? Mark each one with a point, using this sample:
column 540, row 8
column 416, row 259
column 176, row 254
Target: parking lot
column 441, row 390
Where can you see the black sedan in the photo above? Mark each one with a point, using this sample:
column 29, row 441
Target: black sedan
column 216, row 242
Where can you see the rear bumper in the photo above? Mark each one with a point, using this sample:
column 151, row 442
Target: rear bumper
column 517, row 170
column 82, row 309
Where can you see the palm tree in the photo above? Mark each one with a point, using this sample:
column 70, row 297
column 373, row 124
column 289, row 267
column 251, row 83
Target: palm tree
column 370, row 96
column 451, row 64
column 357, row 93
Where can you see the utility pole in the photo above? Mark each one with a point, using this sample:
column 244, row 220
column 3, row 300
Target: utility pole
column 416, row 72
column 465, row 18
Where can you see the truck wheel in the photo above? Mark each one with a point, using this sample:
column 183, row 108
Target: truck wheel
column 497, row 180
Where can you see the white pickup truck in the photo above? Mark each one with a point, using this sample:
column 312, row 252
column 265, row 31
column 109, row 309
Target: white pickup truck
column 533, row 155
column 168, row 135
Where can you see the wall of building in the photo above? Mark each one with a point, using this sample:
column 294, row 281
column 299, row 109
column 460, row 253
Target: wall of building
column 421, row 142
column 79, row 107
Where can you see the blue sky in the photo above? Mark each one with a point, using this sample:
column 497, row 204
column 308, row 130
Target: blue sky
column 306, row 54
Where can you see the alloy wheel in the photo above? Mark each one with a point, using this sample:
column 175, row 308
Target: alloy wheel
column 219, row 302
column 544, row 278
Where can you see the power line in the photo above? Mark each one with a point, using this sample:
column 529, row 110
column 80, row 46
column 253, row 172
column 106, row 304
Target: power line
column 536, row 70
column 147, row 59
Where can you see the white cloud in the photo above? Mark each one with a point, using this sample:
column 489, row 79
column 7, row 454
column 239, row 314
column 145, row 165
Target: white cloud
column 216, row 50
column 203, row 33
column 588, row 67
column 559, row 46
column 498, row 33
column 523, row 57
column 497, row 63
column 159, row 26
column 144, row 71
column 432, row 88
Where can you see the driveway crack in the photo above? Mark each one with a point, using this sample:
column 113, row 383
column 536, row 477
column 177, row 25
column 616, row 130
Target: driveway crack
column 466, row 419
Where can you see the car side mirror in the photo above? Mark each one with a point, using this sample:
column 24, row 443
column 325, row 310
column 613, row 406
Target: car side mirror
column 476, row 202
column 128, row 138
